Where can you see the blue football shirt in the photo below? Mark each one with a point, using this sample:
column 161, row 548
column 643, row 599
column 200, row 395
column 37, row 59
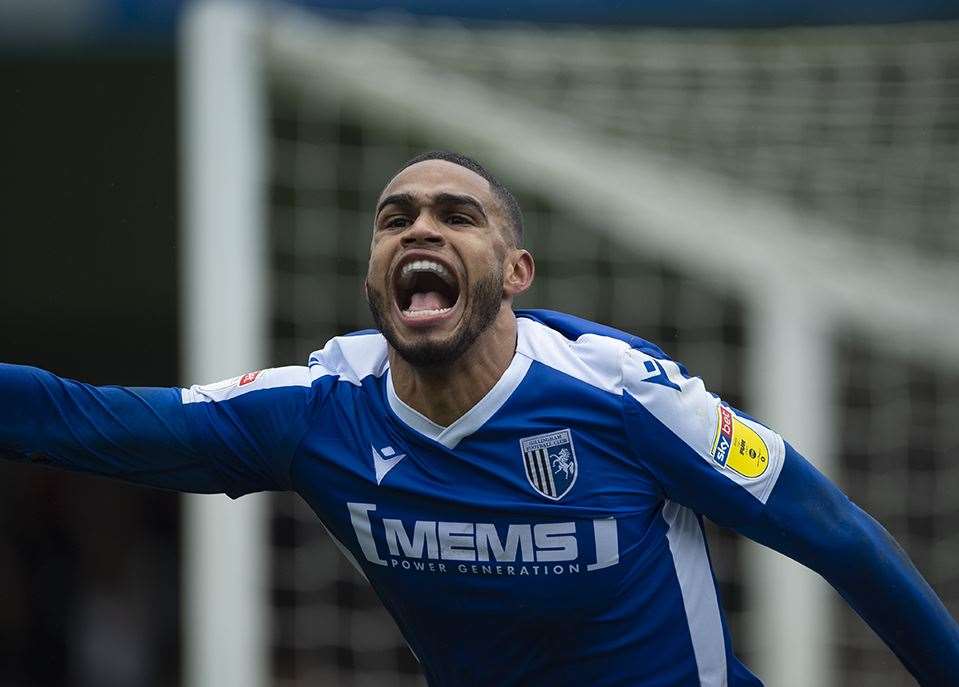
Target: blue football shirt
column 552, row 535
column 539, row 536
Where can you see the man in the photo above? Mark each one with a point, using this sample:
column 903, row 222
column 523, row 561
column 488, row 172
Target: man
column 523, row 490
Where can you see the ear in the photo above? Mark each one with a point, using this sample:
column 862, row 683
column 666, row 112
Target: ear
column 518, row 272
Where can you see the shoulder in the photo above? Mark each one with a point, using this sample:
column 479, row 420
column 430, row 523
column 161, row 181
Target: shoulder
column 351, row 358
column 572, row 328
column 276, row 379
column 594, row 353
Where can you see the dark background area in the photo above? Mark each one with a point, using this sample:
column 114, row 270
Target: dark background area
column 88, row 276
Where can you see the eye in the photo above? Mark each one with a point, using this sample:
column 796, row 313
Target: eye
column 396, row 222
column 459, row 219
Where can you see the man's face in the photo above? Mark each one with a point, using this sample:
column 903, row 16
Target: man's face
column 435, row 279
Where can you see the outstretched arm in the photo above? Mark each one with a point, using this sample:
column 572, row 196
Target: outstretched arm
column 810, row 520
column 742, row 475
column 228, row 437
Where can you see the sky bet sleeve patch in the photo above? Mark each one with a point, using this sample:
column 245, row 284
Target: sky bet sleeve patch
column 738, row 446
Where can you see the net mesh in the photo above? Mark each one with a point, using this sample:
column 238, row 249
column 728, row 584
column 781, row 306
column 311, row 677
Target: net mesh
column 899, row 440
column 860, row 125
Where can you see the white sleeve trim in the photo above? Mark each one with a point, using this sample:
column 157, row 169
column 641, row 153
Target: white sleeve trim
column 273, row 378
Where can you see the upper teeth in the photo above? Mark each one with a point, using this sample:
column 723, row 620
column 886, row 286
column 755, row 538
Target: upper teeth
column 426, row 266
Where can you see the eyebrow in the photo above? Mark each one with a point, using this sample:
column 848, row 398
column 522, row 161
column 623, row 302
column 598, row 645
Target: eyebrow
column 409, row 200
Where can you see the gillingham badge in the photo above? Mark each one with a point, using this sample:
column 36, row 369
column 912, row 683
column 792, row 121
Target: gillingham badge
column 550, row 463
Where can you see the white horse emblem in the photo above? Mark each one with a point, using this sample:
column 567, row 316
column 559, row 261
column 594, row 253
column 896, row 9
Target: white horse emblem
column 561, row 463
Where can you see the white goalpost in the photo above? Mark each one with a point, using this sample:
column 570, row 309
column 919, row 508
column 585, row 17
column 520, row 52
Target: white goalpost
column 226, row 624
column 290, row 121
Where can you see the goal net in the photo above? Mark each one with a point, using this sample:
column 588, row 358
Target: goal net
column 776, row 209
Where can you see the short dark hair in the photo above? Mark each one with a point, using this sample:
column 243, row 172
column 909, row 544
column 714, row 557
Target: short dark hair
column 502, row 194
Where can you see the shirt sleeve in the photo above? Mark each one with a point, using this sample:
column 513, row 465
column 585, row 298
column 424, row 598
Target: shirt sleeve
column 704, row 454
column 741, row 474
column 235, row 437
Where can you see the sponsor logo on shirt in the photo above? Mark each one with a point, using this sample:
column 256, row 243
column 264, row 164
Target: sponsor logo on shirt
column 550, row 463
column 724, row 436
column 738, row 446
column 484, row 548
column 384, row 460
column 656, row 374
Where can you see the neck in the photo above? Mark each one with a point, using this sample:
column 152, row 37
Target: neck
column 445, row 394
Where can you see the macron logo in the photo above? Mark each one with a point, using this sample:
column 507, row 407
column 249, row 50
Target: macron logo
column 384, row 460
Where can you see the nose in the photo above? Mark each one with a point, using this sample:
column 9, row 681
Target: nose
column 422, row 232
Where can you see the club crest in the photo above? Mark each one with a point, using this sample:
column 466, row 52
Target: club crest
column 550, row 463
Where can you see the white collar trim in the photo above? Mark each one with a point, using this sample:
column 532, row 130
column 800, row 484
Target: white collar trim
column 474, row 418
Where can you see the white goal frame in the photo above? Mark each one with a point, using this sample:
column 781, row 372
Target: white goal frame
column 226, row 620
column 797, row 290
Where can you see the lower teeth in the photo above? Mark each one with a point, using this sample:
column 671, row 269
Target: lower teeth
column 425, row 313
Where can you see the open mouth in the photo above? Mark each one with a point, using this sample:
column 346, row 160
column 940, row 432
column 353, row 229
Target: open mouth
column 425, row 289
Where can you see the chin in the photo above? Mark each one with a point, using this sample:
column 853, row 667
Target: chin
column 430, row 354
column 427, row 345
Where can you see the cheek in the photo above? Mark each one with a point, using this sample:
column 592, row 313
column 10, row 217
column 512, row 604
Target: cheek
column 481, row 254
column 483, row 267
column 376, row 269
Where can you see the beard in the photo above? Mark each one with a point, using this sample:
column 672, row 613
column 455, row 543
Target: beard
column 485, row 298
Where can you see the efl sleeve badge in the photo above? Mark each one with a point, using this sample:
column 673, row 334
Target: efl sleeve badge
column 738, row 447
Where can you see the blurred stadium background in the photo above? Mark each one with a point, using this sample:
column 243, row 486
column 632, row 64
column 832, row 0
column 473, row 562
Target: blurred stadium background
column 767, row 190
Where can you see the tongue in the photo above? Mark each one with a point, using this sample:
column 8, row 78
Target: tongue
column 430, row 300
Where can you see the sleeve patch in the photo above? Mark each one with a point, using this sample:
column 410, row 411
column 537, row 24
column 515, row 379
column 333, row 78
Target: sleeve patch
column 738, row 447
column 750, row 455
column 248, row 378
